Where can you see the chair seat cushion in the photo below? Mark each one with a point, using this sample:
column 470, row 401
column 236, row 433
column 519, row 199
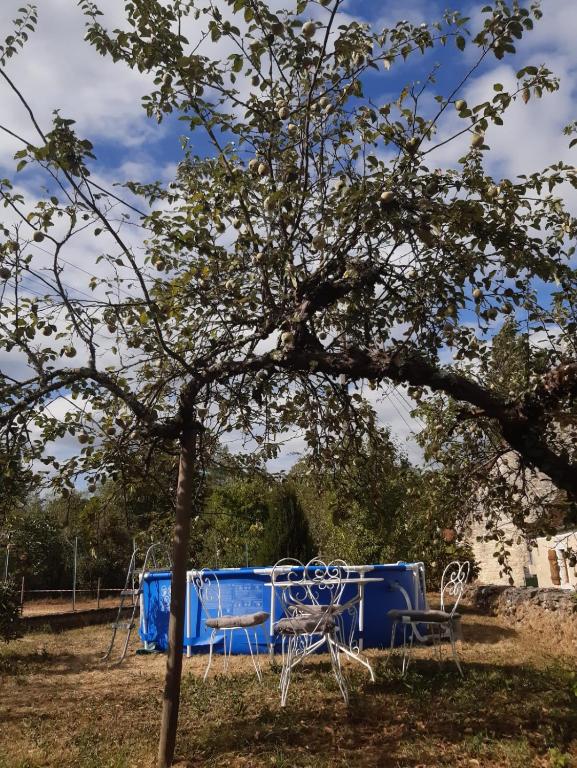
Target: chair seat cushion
column 304, row 625
column 428, row 617
column 243, row 620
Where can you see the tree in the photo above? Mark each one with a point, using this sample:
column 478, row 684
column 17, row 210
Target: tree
column 477, row 471
column 286, row 530
column 105, row 536
column 15, row 483
column 354, row 495
column 37, row 546
column 309, row 248
column 370, row 505
column 233, row 519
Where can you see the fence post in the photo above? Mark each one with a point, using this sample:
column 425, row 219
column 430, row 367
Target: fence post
column 74, row 574
column 22, row 594
column 133, row 570
column 98, row 594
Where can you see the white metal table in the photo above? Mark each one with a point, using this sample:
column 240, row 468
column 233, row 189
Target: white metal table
column 361, row 581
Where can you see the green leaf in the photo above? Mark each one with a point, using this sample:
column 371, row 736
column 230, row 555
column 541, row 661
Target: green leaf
column 461, row 42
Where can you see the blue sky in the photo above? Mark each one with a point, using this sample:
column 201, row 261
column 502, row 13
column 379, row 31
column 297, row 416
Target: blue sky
column 59, row 70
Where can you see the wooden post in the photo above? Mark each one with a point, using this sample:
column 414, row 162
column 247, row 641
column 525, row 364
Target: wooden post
column 563, row 570
column 554, row 567
column 184, row 499
column 98, row 594
column 22, row 594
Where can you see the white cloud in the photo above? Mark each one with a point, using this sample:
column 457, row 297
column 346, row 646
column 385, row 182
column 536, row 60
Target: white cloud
column 532, row 135
column 57, row 69
column 414, row 11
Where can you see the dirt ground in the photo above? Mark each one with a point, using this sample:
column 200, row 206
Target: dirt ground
column 517, row 707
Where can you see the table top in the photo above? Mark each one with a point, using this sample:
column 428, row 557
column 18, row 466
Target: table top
column 312, row 583
column 288, row 568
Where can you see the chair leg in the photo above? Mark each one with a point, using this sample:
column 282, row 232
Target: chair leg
column 254, row 658
column 283, row 652
column 226, row 657
column 266, row 639
column 455, row 655
column 392, row 646
column 358, row 658
column 336, row 665
column 211, row 642
column 407, row 647
column 285, row 677
column 437, row 632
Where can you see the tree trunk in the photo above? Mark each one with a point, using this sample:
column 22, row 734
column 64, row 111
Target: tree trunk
column 184, row 499
column 530, row 443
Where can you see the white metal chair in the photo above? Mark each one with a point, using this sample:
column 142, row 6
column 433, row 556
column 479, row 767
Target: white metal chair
column 208, row 590
column 310, row 596
column 441, row 622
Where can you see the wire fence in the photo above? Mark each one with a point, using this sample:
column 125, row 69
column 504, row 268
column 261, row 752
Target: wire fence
column 98, row 593
column 76, row 595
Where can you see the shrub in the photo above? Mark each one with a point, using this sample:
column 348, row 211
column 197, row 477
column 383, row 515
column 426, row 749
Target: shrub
column 9, row 612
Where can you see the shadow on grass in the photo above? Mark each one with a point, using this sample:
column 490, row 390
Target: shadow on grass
column 396, row 721
column 487, row 633
column 15, row 664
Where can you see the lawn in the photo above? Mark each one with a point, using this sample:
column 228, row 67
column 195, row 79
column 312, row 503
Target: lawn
column 516, row 707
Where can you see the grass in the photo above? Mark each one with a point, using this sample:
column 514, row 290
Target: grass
column 516, row 708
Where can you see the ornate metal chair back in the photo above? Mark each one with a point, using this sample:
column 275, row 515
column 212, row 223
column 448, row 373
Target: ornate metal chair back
column 453, row 583
column 286, row 579
column 310, row 590
column 326, row 581
column 207, row 588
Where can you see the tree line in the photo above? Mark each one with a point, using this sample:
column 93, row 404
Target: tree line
column 372, row 507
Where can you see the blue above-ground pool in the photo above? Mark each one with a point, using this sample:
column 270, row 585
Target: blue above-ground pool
column 247, row 590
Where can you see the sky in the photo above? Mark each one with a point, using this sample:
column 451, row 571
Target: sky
column 59, row 70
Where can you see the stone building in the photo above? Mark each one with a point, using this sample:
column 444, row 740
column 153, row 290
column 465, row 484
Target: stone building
column 548, row 564
column 548, row 561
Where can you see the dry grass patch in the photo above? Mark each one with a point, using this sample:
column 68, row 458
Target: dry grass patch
column 516, row 708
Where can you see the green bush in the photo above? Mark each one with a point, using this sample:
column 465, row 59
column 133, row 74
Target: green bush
column 9, row 612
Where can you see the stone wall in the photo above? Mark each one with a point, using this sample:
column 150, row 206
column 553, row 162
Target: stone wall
column 552, row 613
